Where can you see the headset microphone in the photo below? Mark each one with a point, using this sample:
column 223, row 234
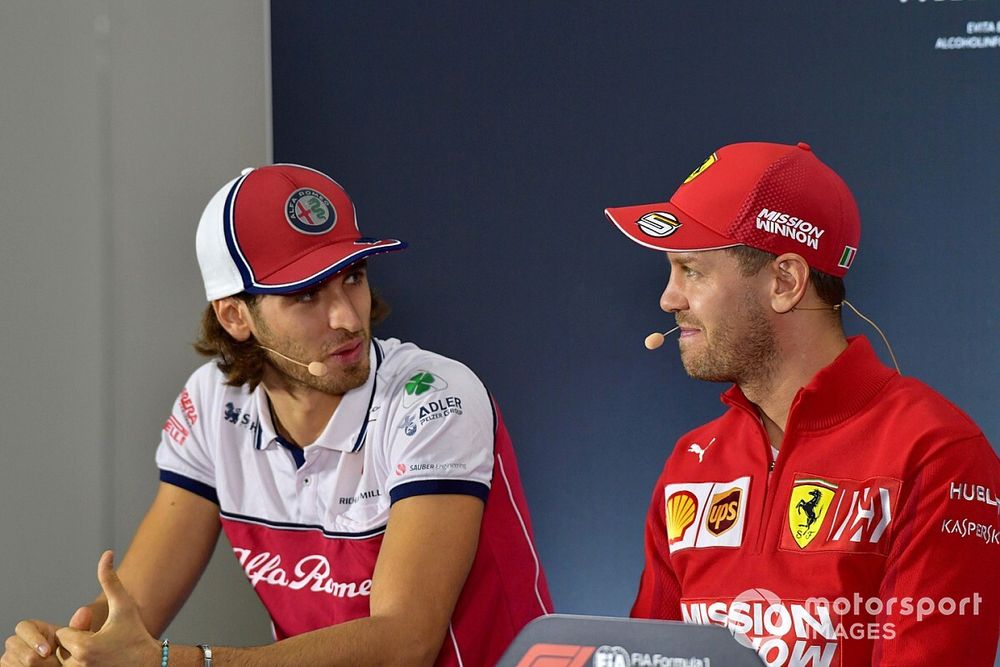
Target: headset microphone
column 317, row 368
column 655, row 340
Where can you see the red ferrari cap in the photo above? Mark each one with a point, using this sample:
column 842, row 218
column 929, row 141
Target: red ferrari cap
column 773, row 197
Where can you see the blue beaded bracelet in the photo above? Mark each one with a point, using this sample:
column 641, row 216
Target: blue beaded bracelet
column 166, row 653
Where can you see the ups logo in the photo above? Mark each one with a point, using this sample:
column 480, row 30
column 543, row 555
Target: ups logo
column 724, row 511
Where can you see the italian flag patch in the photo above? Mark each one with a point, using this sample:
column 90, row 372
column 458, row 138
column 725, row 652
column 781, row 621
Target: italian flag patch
column 847, row 258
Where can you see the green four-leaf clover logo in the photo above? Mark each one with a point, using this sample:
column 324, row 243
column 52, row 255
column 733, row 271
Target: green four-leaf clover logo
column 419, row 383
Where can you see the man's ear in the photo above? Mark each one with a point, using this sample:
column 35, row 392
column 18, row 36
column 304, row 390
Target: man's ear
column 234, row 316
column 790, row 278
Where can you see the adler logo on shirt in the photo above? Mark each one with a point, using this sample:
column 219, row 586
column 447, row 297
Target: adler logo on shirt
column 439, row 409
column 706, row 514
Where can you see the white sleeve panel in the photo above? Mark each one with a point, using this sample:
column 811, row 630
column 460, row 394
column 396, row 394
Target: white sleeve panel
column 442, row 431
column 184, row 448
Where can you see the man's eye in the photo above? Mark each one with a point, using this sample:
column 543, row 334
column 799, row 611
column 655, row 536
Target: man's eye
column 305, row 297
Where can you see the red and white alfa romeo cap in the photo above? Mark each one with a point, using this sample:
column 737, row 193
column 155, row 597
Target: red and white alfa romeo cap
column 279, row 229
column 773, row 197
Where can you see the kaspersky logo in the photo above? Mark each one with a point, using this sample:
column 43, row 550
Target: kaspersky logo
column 422, row 383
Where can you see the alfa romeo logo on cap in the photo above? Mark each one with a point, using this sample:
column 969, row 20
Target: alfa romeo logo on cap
column 309, row 212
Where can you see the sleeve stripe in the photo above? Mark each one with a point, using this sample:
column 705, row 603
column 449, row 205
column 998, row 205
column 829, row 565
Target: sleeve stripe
column 188, row 484
column 426, row 487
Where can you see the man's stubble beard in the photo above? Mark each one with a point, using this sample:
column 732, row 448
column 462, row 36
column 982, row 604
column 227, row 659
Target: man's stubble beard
column 742, row 350
column 338, row 380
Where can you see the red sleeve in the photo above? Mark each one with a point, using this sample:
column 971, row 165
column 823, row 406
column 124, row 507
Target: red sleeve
column 945, row 551
column 659, row 594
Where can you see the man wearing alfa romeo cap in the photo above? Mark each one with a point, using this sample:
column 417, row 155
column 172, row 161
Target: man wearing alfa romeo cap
column 368, row 488
column 838, row 513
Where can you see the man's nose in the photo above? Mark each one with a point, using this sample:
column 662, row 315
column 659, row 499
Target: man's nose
column 672, row 300
column 342, row 314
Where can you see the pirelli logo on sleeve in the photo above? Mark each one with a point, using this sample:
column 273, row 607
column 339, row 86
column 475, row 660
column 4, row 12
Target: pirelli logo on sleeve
column 705, row 514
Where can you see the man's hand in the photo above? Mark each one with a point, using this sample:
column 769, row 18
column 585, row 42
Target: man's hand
column 31, row 645
column 33, row 642
column 122, row 640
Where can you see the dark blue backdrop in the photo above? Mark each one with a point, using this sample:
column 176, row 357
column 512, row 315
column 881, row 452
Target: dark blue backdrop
column 492, row 136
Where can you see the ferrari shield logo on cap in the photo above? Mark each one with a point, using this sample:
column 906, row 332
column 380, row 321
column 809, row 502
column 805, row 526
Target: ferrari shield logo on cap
column 807, row 508
column 310, row 212
column 658, row 224
column 709, row 161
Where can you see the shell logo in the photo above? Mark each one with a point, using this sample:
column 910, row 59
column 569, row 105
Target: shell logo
column 682, row 507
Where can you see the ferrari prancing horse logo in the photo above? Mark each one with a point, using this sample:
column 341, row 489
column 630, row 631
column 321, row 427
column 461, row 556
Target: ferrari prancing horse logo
column 807, row 508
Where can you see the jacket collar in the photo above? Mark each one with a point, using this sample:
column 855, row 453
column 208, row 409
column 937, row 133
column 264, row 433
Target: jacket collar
column 836, row 393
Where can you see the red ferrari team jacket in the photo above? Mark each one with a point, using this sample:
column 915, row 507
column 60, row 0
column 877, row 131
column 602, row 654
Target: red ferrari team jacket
column 871, row 539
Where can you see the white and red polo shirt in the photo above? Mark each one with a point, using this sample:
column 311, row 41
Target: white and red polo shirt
column 306, row 524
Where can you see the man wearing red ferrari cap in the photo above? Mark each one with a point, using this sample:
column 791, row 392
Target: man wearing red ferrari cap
column 837, row 513
column 368, row 488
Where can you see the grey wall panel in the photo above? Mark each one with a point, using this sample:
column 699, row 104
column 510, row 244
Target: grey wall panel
column 118, row 120
column 188, row 111
column 53, row 397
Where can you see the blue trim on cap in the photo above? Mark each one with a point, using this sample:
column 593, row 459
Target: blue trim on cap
column 428, row 487
column 291, row 288
column 227, row 226
column 188, row 484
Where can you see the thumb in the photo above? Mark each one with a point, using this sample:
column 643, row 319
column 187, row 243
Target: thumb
column 81, row 619
column 114, row 590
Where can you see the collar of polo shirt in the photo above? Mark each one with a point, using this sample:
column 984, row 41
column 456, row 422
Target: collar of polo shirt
column 346, row 430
